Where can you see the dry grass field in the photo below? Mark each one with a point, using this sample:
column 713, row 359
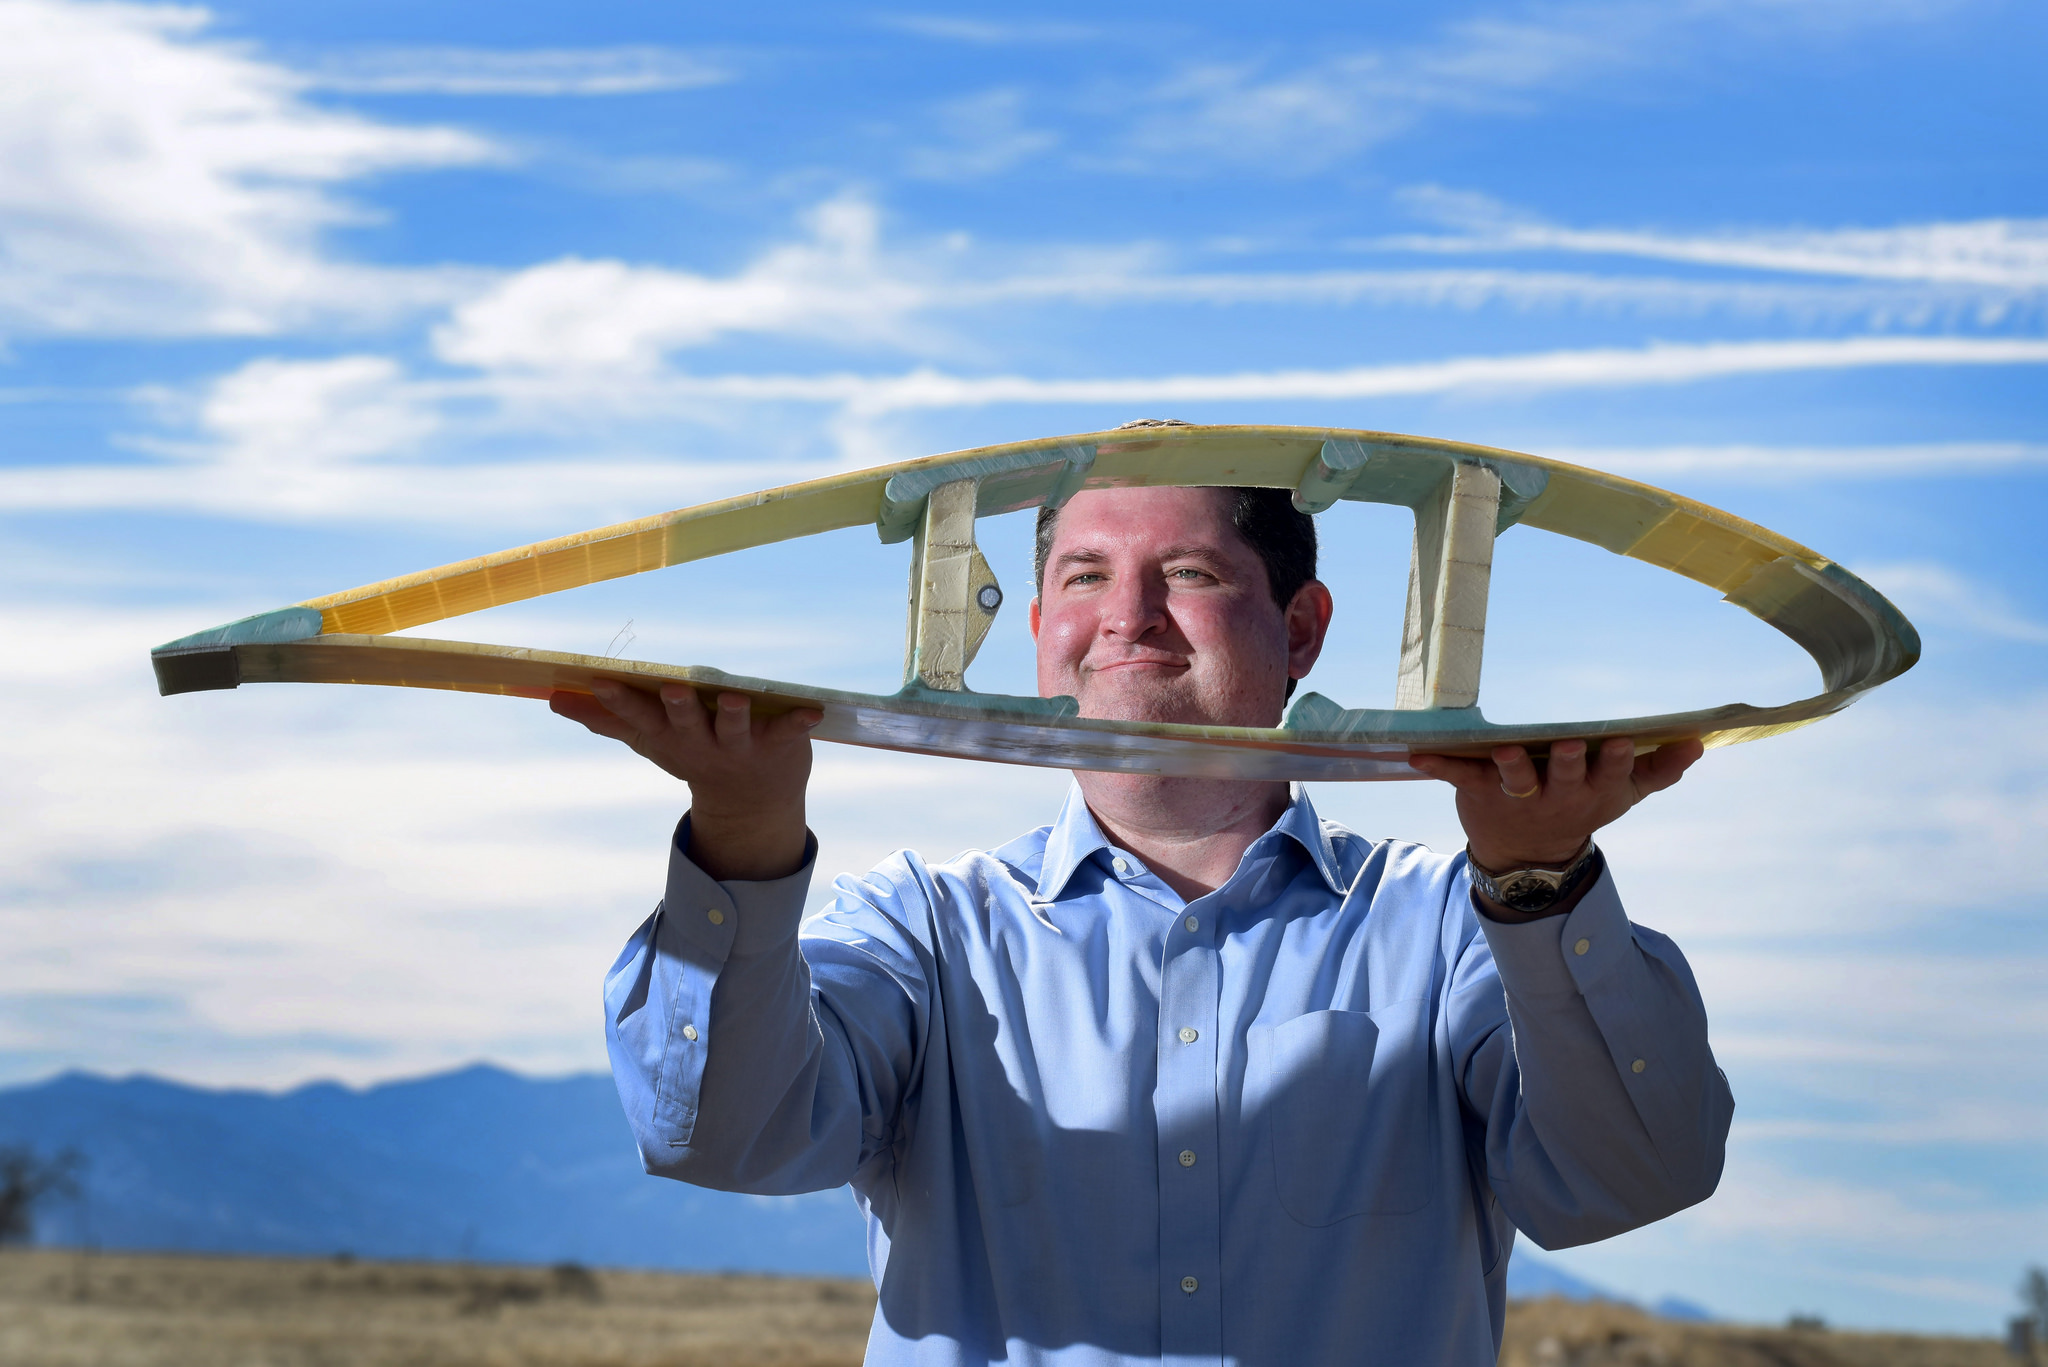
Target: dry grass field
column 61, row 1309
column 1557, row 1333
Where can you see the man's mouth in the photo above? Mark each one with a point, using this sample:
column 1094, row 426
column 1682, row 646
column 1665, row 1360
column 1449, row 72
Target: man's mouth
column 1115, row 666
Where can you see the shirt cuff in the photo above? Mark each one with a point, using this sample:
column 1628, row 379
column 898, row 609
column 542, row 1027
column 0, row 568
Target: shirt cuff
column 1566, row 954
column 724, row 920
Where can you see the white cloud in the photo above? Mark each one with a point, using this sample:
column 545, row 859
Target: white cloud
column 979, row 135
column 327, row 440
column 488, row 71
column 361, row 883
column 1939, row 593
column 2006, row 253
column 1862, row 826
column 840, row 285
column 1595, row 368
column 1246, row 112
column 1818, row 1211
column 543, row 495
column 1794, row 464
column 159, row 184
column 347, row 440
column 1268, row 114
column 518, row 327
column 1134, row 279
column 2012, row 1120
column 575, row 314
column 1939, row 1288
column 272, row 414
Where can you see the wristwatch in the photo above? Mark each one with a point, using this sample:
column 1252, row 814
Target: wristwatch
column 1532, row 890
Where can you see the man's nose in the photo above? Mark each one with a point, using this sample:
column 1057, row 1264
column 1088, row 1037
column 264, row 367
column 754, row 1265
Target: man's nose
column 1136, row 608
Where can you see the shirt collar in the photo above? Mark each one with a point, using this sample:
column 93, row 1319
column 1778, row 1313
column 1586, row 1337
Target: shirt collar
column 1075, row 837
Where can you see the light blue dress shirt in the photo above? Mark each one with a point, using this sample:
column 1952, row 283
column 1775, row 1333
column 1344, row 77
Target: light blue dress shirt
column 1295, row 1121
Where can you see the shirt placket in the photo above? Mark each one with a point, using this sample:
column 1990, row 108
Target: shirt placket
column 1184, row 1102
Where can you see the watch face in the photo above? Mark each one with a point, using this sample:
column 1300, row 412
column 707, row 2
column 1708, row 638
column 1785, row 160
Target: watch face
column 1527, row 890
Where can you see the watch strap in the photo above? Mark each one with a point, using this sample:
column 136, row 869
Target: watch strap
column 1533, row 890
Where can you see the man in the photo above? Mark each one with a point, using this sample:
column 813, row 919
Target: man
column 1189, row 1075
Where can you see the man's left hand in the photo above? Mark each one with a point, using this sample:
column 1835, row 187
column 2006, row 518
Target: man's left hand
column 1516, row 816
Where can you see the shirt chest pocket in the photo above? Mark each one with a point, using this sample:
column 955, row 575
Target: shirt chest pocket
column 1341, row 1101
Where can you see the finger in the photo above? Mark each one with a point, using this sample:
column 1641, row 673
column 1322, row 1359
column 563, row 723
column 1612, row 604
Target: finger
column 592, row 714
column 1459, row 773
column 628, row 704
column 1666, row 764
column 1614, row 767
column 685, row 711
column 1516, row 772
column 792, row 725
column 734, row 722
column 1567, row 766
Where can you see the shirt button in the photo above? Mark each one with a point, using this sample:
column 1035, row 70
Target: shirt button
column 1194, row 923
column 717, row 917
column 689, row 1032
column 1188, row 1034
column 1187, row 1158
column 1188, row 1284
column 1122, row 866
column 1637, row 1066
column 1582, row 946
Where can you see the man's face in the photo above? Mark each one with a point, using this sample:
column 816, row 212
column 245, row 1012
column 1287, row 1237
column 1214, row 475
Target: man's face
column 1154, row 608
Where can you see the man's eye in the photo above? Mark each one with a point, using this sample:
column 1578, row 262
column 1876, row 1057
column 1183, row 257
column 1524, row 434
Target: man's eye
column 1086, row 577
column 1187, row 573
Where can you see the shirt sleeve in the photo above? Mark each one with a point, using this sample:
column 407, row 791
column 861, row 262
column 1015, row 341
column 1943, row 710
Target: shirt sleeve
column 1583, row 1052
column 735, row 1070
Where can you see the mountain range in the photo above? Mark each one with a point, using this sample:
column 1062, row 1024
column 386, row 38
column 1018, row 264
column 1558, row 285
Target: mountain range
column 477, row 1164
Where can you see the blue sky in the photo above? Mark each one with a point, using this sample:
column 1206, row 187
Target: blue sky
column 296, row 297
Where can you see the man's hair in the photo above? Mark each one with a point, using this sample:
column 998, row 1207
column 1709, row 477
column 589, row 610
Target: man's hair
column 1283, row 536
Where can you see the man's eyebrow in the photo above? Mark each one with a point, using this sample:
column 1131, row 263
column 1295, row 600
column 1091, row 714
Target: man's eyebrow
column 1192, row 550
column 1196, row 550
column 1081, row 556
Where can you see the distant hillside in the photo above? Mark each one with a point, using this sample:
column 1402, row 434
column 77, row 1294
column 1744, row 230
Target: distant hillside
column 478, row 1164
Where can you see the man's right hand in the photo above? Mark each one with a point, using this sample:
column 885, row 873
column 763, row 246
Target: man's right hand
column 746, row 774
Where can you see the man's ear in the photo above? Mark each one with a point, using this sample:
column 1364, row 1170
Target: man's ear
column 1034, row 619
column 1308, row 623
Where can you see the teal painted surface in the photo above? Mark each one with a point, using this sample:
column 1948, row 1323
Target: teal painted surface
column 903, row 497
column 916, row 691
column 265, row 628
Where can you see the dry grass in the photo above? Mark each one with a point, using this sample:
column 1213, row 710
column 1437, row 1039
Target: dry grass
column 61, row 1309
column 1559, row 1333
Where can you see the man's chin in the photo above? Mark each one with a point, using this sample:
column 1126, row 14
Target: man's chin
column 1106, row 701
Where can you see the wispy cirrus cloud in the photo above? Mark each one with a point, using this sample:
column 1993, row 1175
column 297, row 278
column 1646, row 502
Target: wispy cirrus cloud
column 159, row 184
column 2007, row 253
column 332, row 440
column 1912, row 305
column 1595, row 368
column 1275, row 112
column 1762, row 464
column 541, row 494
column 841, row 284
column 1762, row 1197
column 2015, row 1121
column 979, row 135
column 636, row 70
column 1939, row 593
